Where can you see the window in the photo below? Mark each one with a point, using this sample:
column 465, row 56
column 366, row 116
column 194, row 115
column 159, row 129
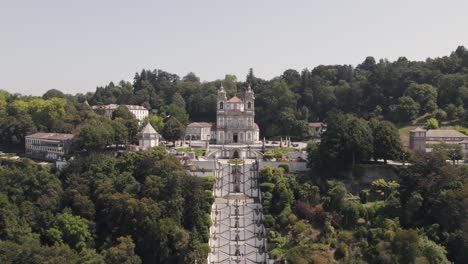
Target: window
column 249, row 105
column 221, row 105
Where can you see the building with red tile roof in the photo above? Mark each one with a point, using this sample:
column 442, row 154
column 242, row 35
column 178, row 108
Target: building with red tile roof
column 235, row 119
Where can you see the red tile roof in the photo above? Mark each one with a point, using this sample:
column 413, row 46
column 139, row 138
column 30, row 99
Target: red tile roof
column 316, row 124
column 235, row 99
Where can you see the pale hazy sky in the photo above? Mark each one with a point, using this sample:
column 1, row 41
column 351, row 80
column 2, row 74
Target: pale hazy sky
column 75, row 46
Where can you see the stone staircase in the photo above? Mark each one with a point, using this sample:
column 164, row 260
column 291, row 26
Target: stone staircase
column 237, row 234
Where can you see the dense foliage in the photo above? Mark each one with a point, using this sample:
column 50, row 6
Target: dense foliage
column 421, row 218
column 135, row 208
column 349, row 139
column 398, row 91
column 144, row 208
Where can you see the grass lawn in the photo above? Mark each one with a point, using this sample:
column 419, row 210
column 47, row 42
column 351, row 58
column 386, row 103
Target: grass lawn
column 198, row 152
column 278, row 152
column 404, row 134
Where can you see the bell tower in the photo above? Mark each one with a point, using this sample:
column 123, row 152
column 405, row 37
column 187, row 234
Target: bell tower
column 220, row 115
column 249, row 100
column 221, row 98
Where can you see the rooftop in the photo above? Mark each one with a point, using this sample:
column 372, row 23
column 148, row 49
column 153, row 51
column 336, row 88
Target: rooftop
column 51, row 136
column 445, row 133
column 148, row 129
column 418, row 129
column 199, row 124
column 316, row 124
column 107, row 107
column 235, row 99
column 135, row 107
column 115, row 106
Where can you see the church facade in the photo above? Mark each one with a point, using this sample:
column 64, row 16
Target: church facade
column 235, row 119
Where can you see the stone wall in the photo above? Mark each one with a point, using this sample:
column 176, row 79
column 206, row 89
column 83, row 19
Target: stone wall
column 206, row 167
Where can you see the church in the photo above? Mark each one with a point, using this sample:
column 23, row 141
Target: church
column 235, row 119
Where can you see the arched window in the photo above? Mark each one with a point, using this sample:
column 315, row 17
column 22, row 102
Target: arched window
column 249, row 105
column 221, row 105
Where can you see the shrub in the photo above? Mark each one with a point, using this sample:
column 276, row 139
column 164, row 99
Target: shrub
column 269, row 221
column 286, row 167
column 267, row 187
column 313, row 214
column 440, row 114
column 341, row 251
column 431, row 123
column 364, row 195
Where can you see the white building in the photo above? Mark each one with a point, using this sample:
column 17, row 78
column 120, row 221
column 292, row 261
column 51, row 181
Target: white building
column 235, row 119
column 148, row 138
column 140, row 112
column 48, row 146
column 198, row 131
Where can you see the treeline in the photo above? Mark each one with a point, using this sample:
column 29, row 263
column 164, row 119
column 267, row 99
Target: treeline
column 56, row 112
column 349, row 140
column 134, row 208
column 420, row 219
column 398, row 91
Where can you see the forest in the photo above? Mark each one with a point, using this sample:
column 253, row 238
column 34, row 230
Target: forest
column 422, row 218
column 143, row 207
column 400, row 92
column 134, row 208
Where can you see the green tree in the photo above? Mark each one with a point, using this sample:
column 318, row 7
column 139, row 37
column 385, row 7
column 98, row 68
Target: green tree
column 123, row 252
column 4, row 96
column 178, row 100
column 406, row 110
column 440, row 114
column 348, row 139
column 122, row 112
column 387, row 143
column 74, row 230
column 178, row 112
column 454, row 112
column 14, row 129
column 173, row 130
column 53, row 93
column 433, row 252
column 191, row 77
column 12, row 227
column 431, row 123
column 405, row 246
column 155, row 121
column 424, row 94
column 95, row 135
column 385, row 187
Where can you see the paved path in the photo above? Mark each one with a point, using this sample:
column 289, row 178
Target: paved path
column 237, row 234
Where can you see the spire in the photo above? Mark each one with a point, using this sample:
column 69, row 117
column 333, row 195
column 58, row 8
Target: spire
column 249, row 88
column 221, row 93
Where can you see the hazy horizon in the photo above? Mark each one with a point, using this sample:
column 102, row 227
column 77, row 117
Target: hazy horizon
column 75, row 47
